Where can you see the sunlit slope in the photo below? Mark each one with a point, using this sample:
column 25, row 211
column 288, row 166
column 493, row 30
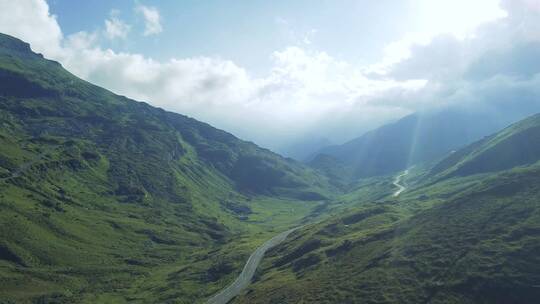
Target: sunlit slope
column 98, row 192
column 463, row 239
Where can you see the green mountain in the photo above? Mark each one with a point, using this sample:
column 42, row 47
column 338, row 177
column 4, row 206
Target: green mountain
column 105, row 199
column 421, row 137
column 470, row 236
column 517, row 145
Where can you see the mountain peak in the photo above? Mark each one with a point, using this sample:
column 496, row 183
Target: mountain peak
column 15, row 46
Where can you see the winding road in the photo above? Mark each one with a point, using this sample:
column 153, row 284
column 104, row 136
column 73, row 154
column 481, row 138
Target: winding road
column 244, row 279
column 397, row 183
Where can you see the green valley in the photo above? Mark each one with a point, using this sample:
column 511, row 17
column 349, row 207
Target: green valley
column 105, row 199
column 466, row 230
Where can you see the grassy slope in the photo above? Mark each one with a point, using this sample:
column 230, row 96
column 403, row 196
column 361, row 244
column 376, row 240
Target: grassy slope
column 464, row 239
column 104, row 199
column 516, row 145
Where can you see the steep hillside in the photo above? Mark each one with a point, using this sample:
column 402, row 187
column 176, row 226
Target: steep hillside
column 103, row 198
column 517, row 145
column 463, row 239
column 421, row 137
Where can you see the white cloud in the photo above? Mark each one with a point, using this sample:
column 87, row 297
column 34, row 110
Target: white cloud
column 295, row 98
column 115, row 27
column 496, row 68
column 152, row 19
column 448, row 57
column 457, row 18
column 31, row 21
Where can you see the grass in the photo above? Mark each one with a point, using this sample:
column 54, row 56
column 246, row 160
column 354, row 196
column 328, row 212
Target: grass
column 91, row 244
column 464, row 240
column 74, row 240
column 106, row 249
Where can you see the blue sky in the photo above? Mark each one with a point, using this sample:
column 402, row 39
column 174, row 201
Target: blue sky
column 247, row 32
column 284, row 73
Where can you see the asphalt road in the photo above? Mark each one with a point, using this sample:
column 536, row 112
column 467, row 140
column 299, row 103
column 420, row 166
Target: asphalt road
column 244, row 279
column 397, row 183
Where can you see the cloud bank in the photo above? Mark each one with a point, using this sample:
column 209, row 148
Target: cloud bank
column 307, row 93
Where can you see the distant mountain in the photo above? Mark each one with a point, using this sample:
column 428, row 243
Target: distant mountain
column 462, row 239
column 97, row 190
column 425, row 136
column 303, row 149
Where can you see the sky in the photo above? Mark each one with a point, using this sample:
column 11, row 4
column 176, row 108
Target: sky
column 285, row 74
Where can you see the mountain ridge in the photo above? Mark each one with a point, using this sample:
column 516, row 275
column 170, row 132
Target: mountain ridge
column 516, row 145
